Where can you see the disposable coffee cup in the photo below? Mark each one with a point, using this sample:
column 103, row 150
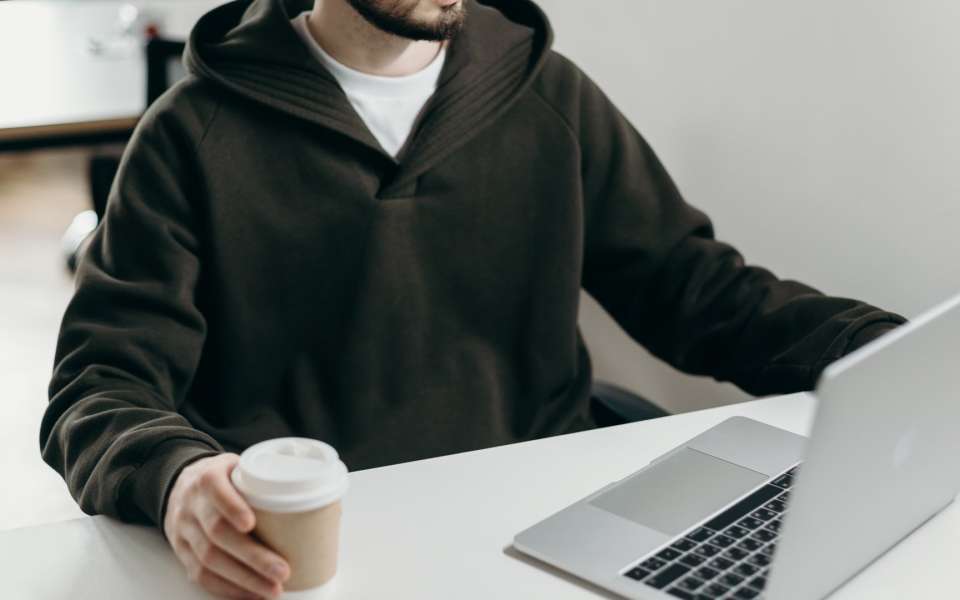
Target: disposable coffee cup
column 295, row 486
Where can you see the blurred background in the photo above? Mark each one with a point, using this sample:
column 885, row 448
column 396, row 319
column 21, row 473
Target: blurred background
column 823, row 138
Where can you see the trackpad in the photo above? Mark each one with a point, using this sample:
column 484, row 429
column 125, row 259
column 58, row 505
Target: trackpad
column 675, row 493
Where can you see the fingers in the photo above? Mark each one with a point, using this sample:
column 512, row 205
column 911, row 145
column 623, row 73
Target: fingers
column 243, row 547
column 208, row 524
column 227, row 499
column 219, row 586
column 210, row 581
column 213, row 559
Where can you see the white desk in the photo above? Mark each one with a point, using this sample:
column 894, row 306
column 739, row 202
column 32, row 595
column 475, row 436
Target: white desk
column 440, row 528
column 53, row 85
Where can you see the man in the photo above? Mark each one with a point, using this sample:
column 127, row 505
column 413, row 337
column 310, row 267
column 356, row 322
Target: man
column 370, row 225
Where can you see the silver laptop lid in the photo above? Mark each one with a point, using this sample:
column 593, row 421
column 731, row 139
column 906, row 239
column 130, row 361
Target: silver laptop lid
column 883, row 456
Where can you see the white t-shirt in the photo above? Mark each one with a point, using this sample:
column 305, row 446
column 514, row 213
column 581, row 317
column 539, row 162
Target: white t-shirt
column 388, row 105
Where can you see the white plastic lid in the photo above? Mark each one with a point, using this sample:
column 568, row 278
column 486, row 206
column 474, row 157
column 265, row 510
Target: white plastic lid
column 290, row 474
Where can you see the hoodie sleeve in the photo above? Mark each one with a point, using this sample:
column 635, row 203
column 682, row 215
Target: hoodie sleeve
column 131, row 336
column 652, row 261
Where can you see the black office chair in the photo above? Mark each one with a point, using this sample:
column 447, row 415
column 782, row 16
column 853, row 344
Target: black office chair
column 613, row 405
column 164, row 67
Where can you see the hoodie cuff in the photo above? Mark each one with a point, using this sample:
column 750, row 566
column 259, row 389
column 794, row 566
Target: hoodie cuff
column 868, row 334
column 151, row 483
column 847, row 344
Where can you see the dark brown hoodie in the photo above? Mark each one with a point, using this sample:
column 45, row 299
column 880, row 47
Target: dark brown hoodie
column 266, row 269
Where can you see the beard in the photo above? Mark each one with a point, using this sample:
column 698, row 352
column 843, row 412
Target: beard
column 398, row 17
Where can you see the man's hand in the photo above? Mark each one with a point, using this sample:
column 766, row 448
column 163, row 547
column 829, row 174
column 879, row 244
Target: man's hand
column 208, row 524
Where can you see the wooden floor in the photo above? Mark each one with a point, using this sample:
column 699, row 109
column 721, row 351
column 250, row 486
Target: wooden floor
column 39, row 195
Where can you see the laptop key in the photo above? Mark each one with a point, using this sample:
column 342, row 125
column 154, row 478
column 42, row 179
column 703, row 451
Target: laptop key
column 768, row 549
column 758, row 582
column 722, row 541
column 750, row 523
column 683, row 545
column 745, row 569
column 667, row 576
column 746, row 592
column 706, row 550
column 691, row 560
column 668, row 554
column 784, row 481
column 764, row 535
column 737, row 532
column 729, row 580
column 774, row 525
column 763, row 514
column 637, row 573
column 706, row 573
column 700, row 534
column 776, row 506
column 736, row 554
column 714, row 590
column 749, row 544
column 761, row 560
column 721, row 563
column 653, row 563
column 681, row 593
column 691, row 583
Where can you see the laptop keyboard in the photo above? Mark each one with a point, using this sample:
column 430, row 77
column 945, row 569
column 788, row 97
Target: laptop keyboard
column 726, row 557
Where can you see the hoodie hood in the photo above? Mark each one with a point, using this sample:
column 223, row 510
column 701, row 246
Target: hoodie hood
column 250, row 48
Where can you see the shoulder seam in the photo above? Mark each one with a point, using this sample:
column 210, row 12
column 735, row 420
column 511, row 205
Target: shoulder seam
column 208, row 126
column 556, row 111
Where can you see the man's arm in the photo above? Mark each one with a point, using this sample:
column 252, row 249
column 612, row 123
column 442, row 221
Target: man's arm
column 652, row 261
column 131, row 337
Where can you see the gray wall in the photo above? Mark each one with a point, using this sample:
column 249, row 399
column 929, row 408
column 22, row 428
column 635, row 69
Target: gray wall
column 822, row 137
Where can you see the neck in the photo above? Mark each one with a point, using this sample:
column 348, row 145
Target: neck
column 349, row 38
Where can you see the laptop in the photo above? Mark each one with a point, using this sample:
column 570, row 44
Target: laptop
column 747, row 510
